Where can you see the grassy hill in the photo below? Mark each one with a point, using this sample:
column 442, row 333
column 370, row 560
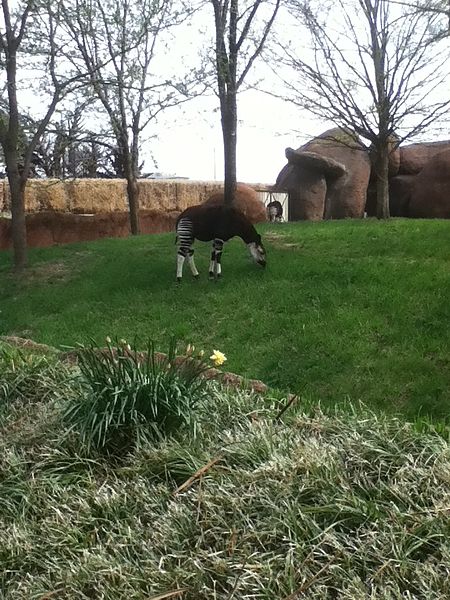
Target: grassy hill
column 315, row 505
column 356, row 310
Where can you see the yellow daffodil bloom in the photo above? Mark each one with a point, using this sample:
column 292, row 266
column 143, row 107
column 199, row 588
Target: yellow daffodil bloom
column 218, row 358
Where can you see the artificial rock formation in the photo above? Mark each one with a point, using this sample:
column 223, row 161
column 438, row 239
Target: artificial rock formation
column 346, row 195
column 430, row 196
column 332, row 176
column 306, row 177
column 414, row 157
column 246, row 200
column 422, row 187
column 327, row 177
column 394, row 158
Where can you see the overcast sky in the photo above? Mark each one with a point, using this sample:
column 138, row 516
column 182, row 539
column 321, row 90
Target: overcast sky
column 190, row 139
column 191, row 145
column 187, row 141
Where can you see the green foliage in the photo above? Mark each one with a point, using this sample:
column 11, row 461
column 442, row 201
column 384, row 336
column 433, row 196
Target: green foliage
column 130, row 395
column 344, row 309
column 28, row 377
column 335, row 503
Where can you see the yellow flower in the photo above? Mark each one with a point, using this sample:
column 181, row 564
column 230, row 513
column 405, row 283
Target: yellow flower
column 218, row 358
column 108, row 340
column 201, row 353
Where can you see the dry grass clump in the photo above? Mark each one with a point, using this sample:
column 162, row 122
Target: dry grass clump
column 340, row 505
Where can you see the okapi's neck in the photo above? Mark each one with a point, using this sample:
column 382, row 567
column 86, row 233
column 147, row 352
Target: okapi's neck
column 247, row 232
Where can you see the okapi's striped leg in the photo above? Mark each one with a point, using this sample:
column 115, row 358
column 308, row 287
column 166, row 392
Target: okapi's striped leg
column 215, row 268
column 191, row 262
column 185, row 238
column 181, row 256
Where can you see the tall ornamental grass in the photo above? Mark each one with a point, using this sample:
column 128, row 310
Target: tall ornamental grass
column 130, row 395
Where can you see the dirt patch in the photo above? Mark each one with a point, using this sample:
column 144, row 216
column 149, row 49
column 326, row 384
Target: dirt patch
column 279, row 240
column 22, row 342
column 48, row 273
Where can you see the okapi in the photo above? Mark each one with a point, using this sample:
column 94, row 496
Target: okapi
column 275, row 211
column 217, row 223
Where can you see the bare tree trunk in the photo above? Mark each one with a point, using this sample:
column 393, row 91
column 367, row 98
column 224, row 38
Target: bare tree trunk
column 235, row 29
column 18, row 221
column 129, row 172
column 133, row 202
column 382, row 172
column 229, row 130
column 10, row 148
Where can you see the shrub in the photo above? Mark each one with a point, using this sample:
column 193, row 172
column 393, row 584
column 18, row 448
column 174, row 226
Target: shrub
column 129, row 394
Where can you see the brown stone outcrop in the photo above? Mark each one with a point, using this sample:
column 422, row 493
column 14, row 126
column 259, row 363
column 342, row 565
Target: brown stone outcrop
column 327, row 177
column 346, row 195
column 305, row 178
column 307, row 195
column 246, row 200
column 414, row 157
column 330, row 168
column 400, row 190
column 430, row 196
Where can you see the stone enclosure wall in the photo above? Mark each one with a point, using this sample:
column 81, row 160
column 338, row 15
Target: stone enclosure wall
column 95, row 196
column 59, row 212
column 332, row 177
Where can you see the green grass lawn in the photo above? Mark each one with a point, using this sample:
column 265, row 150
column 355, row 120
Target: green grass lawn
column 348, row 310
column 316, row 505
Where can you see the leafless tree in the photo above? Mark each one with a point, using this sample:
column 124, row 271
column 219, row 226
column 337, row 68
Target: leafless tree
column 241, row 32
column 29, row 34
column 117, row 42
column 373, row 67
column 440, row 8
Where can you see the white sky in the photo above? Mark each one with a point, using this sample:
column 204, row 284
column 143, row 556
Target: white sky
column 191, row 144
column 189, row 138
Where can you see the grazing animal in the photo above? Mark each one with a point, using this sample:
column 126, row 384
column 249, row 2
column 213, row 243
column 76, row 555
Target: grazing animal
column 219, row 224
column 275, row 211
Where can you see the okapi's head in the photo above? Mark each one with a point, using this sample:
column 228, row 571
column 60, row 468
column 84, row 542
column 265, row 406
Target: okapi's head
column 257, row 251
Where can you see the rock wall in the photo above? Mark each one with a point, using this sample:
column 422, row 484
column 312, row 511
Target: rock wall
column 50, row 228
column 59, row 212
column 93, row 196
column 419, row 179
column 422, row 187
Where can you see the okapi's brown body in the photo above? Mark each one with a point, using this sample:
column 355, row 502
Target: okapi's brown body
column 219, row 224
